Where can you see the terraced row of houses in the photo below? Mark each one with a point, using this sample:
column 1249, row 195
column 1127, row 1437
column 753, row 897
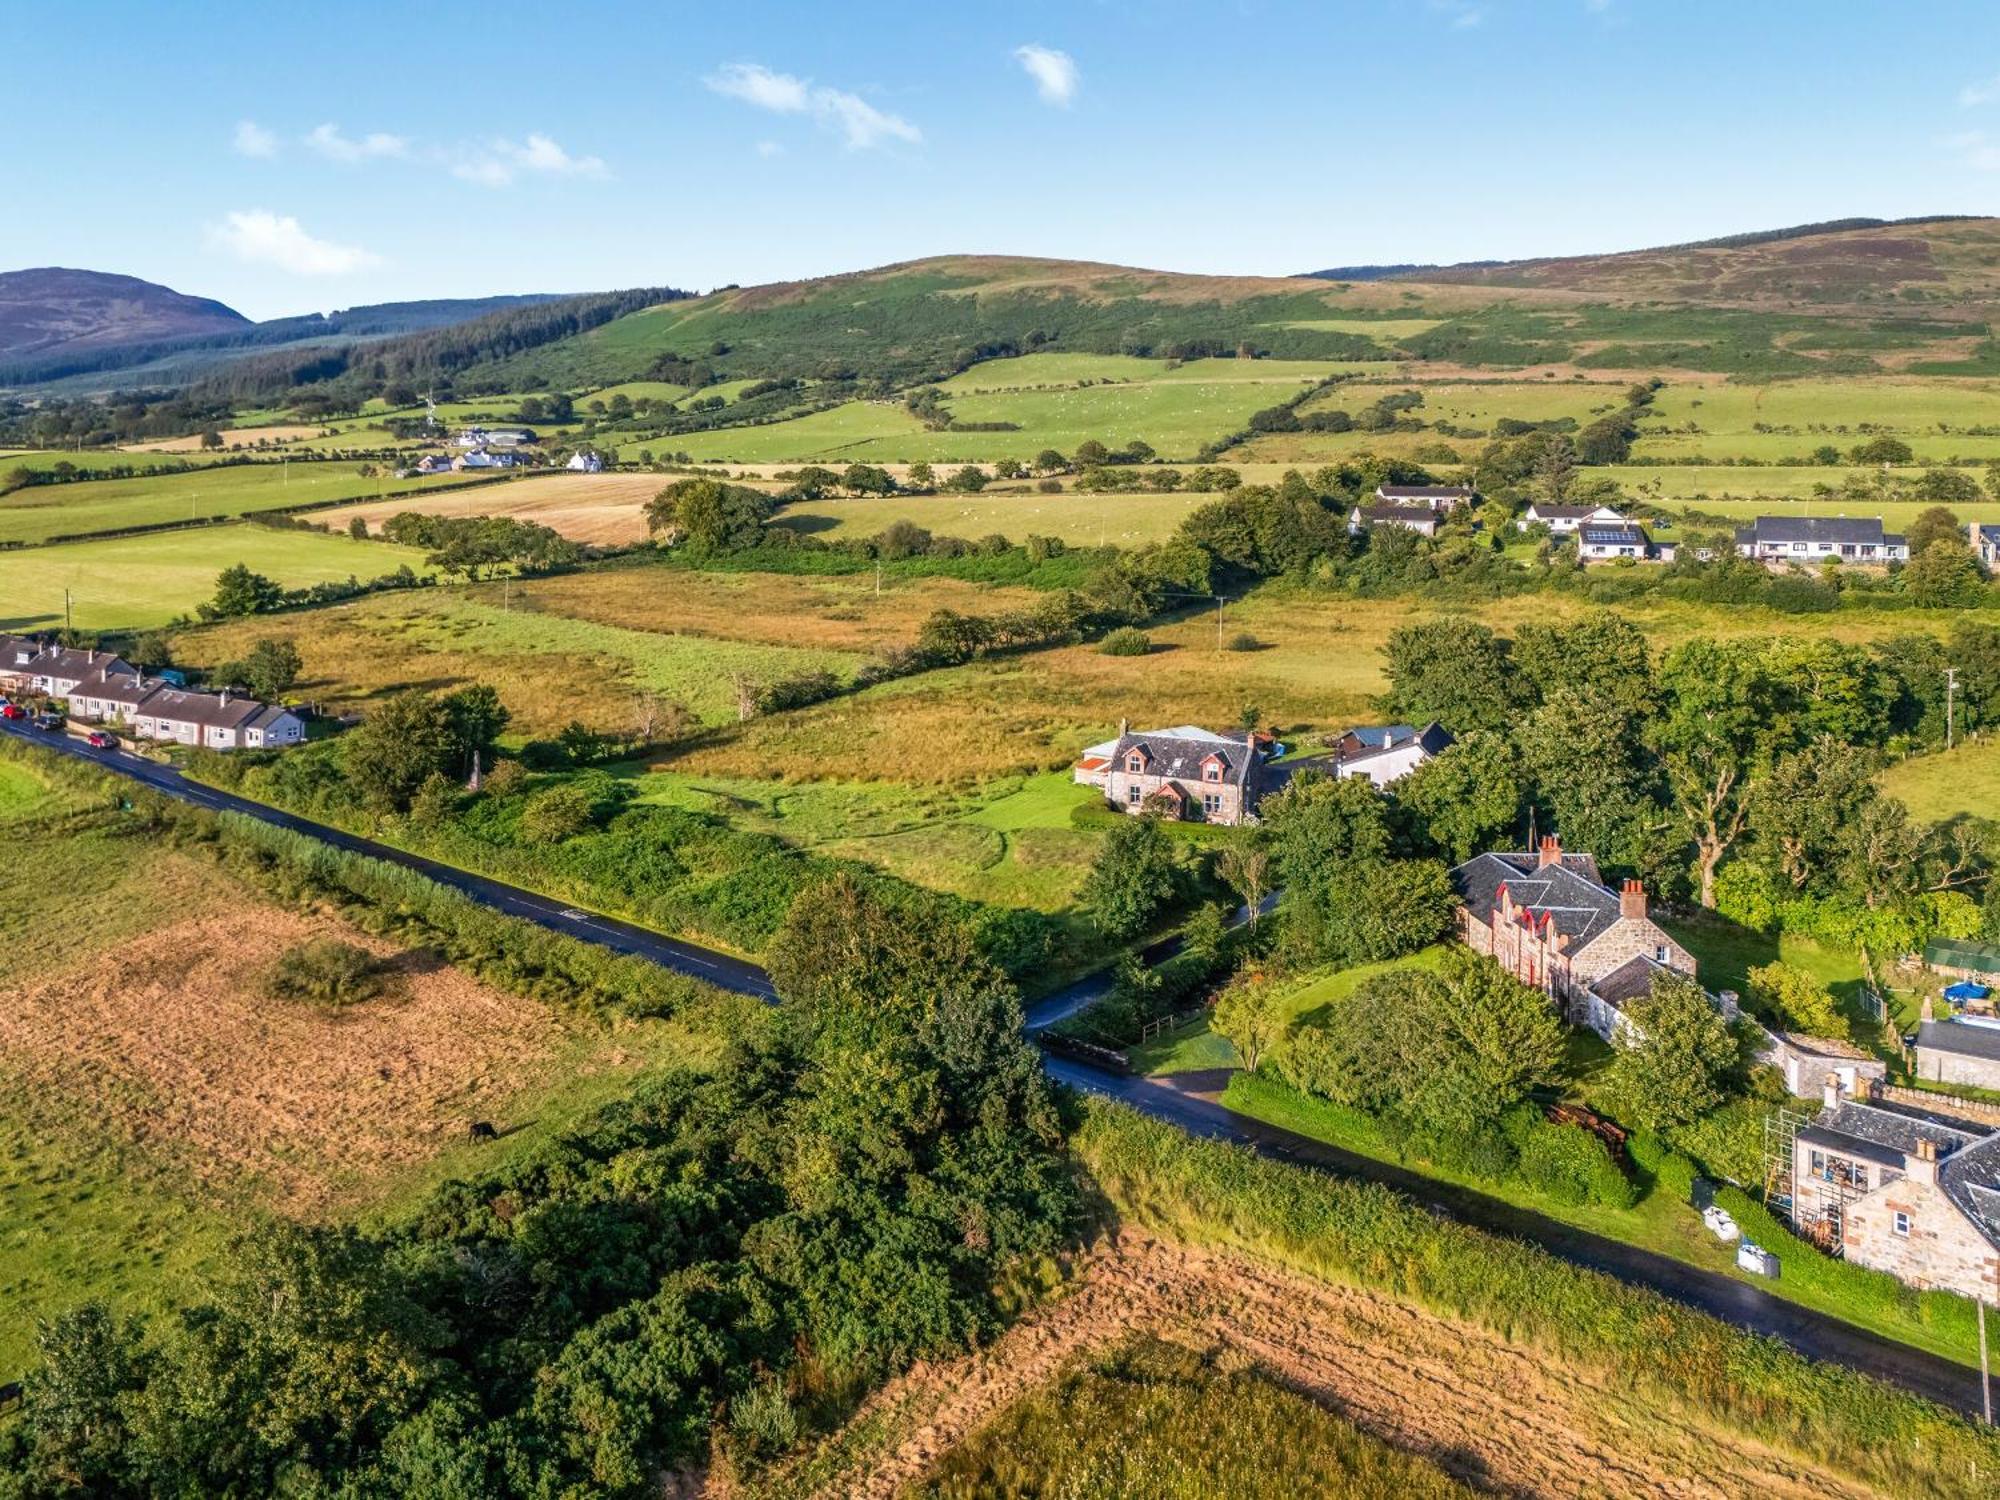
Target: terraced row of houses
column 102, row 687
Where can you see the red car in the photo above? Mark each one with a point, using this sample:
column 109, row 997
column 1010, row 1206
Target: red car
column 99, row 739
column 13, row 711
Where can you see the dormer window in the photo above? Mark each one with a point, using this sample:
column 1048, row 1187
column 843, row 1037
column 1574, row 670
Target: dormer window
column 1211, row 769
column 1135, row 763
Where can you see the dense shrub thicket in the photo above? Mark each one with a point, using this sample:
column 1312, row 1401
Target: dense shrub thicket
column 843, row 1194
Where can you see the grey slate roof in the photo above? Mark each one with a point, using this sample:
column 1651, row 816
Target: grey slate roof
column 1408, row 515
column 179, row 706
column 1180, row 755
column 1563, row 512
column 1569, row 892
column 1829, row 531
column 1961, row 1038
column 1971, row 1179
column 61, row 663
column 1433, row 737
column 1889, row 1128
column 1630, row 981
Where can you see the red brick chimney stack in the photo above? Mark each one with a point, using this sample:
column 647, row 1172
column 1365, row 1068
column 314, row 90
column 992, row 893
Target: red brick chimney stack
column 1551, row 852
column 1632, row 900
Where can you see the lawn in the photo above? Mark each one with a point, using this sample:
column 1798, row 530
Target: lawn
column 1009, row 841
column 41, row 511
column 1939, row 787
column 134, row 582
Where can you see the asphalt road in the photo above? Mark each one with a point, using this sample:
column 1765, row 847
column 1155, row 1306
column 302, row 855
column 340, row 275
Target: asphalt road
column 719, row 969
column 1737, row 1302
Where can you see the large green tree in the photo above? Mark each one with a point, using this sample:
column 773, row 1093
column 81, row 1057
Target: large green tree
column 1675, row 1067
column 1452, row 670
column 1470, row 798
column 1134, row 876
column 396, row 748
column 1714, row 738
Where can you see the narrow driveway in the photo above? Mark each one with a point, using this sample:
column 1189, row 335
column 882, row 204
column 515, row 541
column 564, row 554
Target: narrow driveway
column 1736, row 1302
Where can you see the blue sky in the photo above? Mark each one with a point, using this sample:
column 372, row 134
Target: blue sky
column 290, row 158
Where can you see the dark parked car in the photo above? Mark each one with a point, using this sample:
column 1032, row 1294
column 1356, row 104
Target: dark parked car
column 102, row 739
column 48, row 721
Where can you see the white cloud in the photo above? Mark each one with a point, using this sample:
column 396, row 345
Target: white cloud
column 252, row 139
column 1462, row 15
column 263, row 238
column 330, row 143
column 769, row 149
column 860, row 123
column 754, row 84
column 499, row 162
column 1976, row 149
column 1974, row 94
column 1054, row 72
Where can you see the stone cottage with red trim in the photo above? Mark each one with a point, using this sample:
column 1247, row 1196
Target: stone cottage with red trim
column 1549, row 919
column 1186, row 773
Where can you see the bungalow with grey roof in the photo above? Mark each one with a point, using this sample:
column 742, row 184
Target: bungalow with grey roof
column 1605, row 541
column 1418, row 518
column 1848, row 539
column 32, row 666
column 1388, row 752
column 1565, row 519
column 213, row 721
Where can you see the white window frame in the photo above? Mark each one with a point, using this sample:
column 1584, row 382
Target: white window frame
column 1899, row 1222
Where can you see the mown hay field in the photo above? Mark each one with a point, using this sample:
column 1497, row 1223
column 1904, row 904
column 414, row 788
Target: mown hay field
column 131, row 583
column 38, row 512
column 1963, row 781
column 606, row 509
column 155, row 1099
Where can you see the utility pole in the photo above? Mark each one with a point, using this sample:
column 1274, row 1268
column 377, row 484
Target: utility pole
column 878, row 578
column 1950, row 695
column 1219, row 601
column 68, row 624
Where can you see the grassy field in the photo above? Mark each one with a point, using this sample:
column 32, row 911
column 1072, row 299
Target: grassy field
column 1082, row 519
column 1155, row 1419
column 1801, row 415
column 606, row 509
column 1030, row 371
column 549, row 668
column 155, row 1102
column 585, row 645
column 42, row 511
column 135, row 582
column 1009, row 841
column 1940, row 787
column 1318, row 667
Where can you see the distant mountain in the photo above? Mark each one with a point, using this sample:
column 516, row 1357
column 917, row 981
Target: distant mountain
column 76, row 331
column 55, row 307
column 1406, row 268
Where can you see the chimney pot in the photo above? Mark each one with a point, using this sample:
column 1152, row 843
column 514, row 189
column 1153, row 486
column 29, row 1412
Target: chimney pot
column 1632, row 901
column 1830, row 1091
column 1550, row 853
column 1923, row 1166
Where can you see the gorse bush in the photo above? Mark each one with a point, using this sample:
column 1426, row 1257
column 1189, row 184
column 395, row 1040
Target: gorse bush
column 326, row 972
column 844, row 1193
column 1125, row 642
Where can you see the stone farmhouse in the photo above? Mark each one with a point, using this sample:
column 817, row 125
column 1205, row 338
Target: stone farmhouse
column 1564, row 520
column 1985, row 539
column 105, row 689
column 1848, row 539
column 1385, row 753
column 1186, row 773
column 1905, row 1183
column 1549, row 920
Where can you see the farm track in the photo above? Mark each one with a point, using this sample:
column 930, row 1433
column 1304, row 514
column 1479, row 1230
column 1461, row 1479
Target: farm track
column 1813, row 1334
